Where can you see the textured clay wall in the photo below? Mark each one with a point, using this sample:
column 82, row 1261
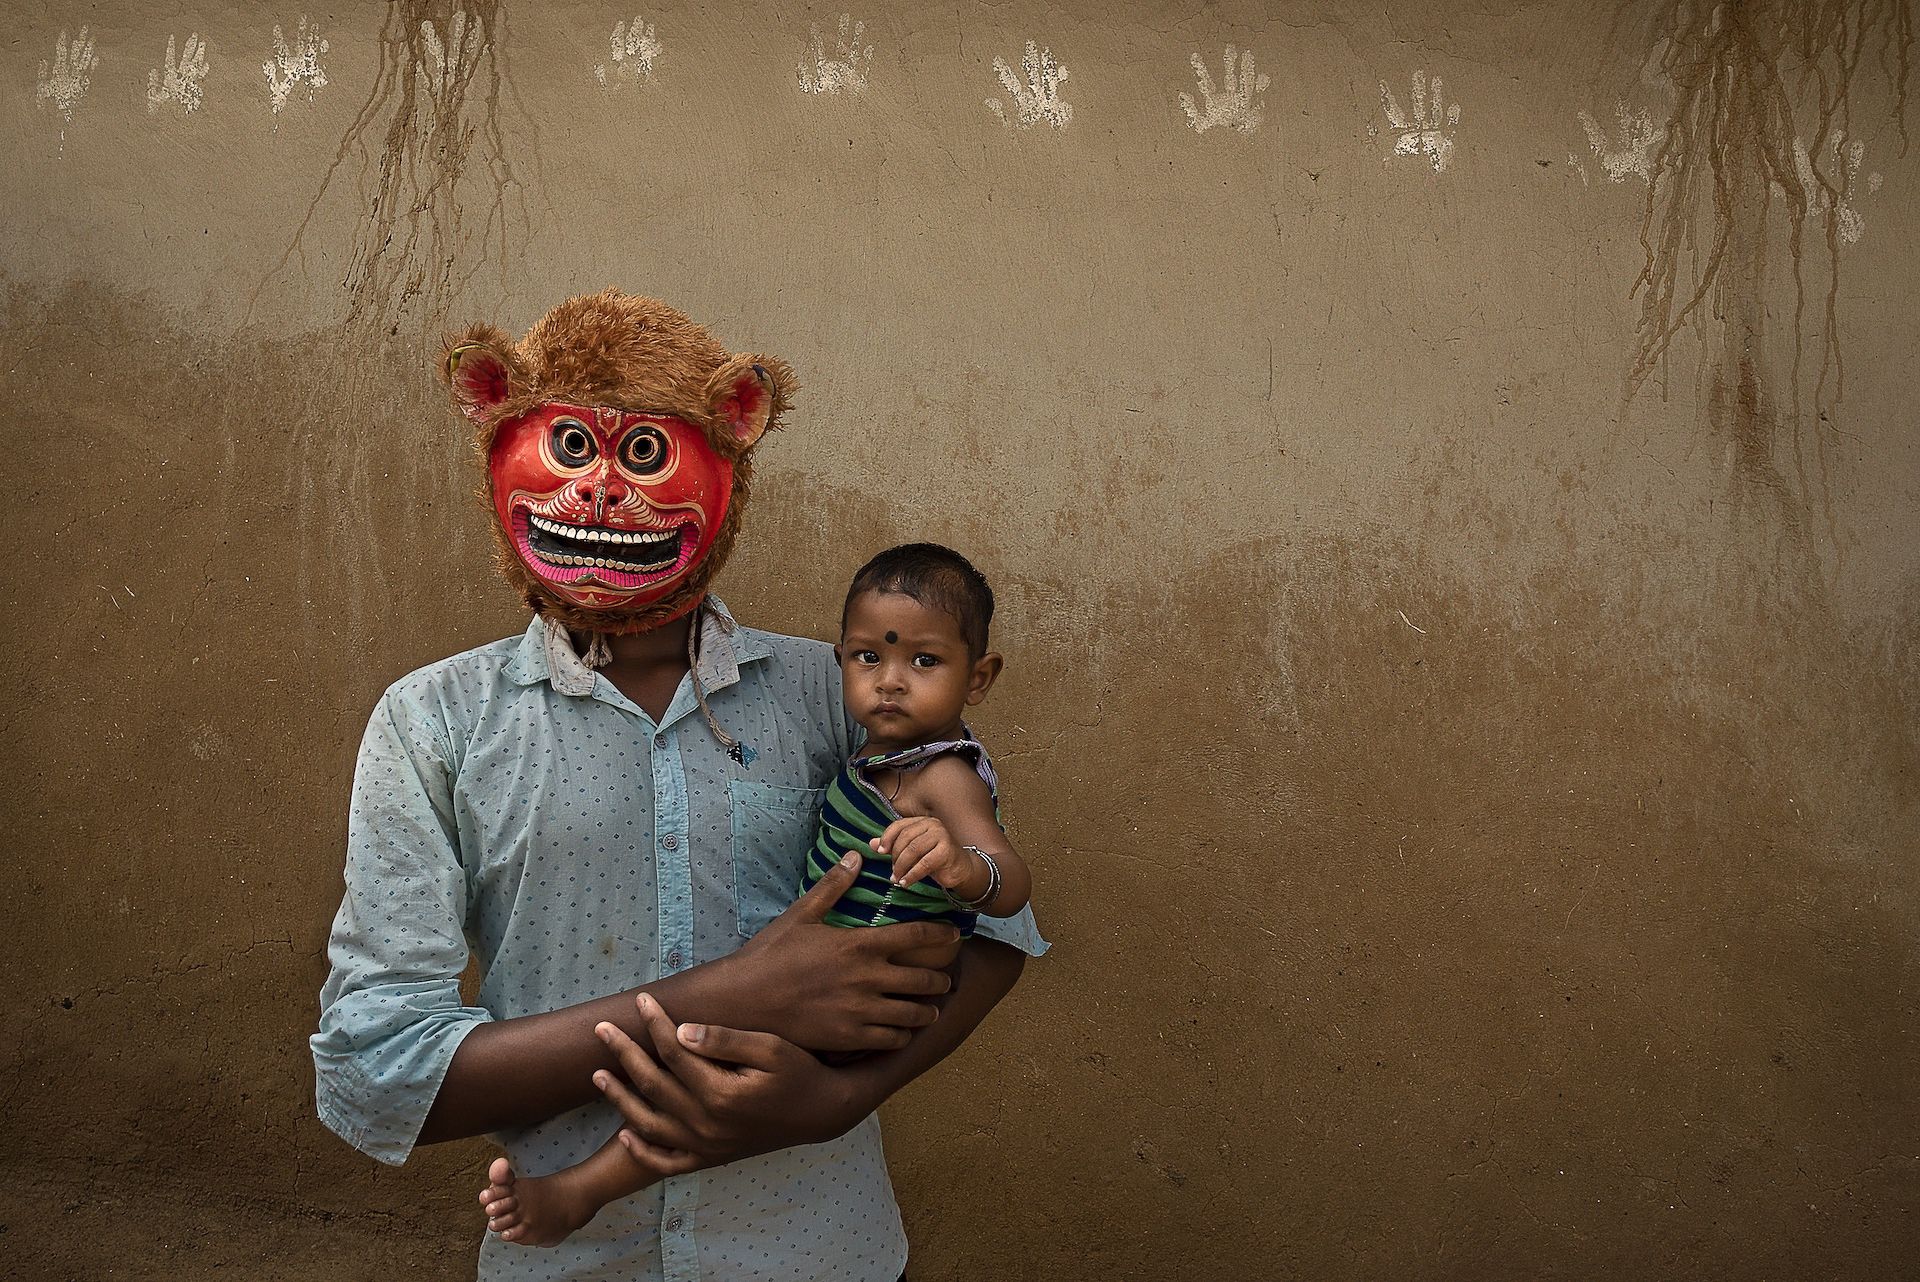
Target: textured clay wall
column 1475, row 809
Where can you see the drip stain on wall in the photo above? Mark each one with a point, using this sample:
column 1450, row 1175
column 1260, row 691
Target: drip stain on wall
column 1748, row 78
column 428, row 142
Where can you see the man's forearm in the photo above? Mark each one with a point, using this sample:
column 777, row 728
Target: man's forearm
column 722, row 1094
column 985, row 972
column 818, row 986
column 515, row 1072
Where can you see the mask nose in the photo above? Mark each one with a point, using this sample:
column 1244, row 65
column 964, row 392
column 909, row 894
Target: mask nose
column 600, row 493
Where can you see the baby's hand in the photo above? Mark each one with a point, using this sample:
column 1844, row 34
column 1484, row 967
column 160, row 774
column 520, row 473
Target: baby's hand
column 921, row 847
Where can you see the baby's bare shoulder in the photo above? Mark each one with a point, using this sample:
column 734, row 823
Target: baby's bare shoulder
column 948, row 784
column 953, row 769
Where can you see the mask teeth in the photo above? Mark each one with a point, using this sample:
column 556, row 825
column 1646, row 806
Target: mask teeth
column 599, row 534
column 635, row 551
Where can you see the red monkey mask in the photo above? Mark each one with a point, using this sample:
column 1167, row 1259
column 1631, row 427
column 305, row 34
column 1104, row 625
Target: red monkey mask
column 616, row 436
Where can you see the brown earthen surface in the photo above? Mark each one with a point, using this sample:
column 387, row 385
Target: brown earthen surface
column 1476, row 816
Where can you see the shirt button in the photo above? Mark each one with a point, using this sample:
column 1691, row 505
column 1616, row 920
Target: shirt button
column 673, row 959
column 673, row 1225
column 659, row 741
column 670, row 841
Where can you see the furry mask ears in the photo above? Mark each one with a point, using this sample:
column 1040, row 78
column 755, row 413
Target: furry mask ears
column 746, row 397
column 482, row 370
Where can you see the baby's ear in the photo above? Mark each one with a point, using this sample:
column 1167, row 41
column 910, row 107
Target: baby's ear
column 986, row 670
column 746, row 396
column 482, row 371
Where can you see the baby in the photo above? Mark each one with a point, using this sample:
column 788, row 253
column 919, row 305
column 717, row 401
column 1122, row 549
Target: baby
column 920, row 799
column 919, row 802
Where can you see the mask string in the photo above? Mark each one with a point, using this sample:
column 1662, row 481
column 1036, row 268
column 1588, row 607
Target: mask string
column 700, row 614
column 599, row 654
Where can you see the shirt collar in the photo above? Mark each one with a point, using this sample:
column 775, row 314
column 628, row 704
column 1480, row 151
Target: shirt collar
column 546, row 653
column 724, row 646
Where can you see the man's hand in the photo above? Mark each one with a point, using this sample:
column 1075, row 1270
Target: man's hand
column 716, row 1095
column 822, row 987
column 708, row 1094
column 834, row 989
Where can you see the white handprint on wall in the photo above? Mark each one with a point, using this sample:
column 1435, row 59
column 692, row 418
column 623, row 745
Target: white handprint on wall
column 65, row 82
column 1632, row 152
column 443, row 62
column 1038, row 98
column 183, row 74
column 1427, row 128
column 846, row 70
column 632, row 51
column 1843, row 171
column 295, row 63
column 1232, row 103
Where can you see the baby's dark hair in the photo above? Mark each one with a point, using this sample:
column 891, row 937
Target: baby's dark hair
column 938, row 578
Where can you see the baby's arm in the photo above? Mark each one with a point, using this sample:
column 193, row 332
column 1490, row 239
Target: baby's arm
column 945, row 807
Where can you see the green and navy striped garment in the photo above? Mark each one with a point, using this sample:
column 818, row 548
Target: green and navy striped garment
column 853, row 813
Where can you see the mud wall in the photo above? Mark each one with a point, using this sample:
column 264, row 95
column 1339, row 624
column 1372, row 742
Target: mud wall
column 1474, row 807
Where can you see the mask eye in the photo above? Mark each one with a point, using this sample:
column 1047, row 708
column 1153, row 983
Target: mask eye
column 644, row 451
column 572, row 442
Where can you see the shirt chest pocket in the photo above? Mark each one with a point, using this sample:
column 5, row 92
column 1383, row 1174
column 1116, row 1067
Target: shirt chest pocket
column 773, row 827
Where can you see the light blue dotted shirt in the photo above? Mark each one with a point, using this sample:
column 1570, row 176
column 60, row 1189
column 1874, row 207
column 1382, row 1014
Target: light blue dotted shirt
column 511, row 801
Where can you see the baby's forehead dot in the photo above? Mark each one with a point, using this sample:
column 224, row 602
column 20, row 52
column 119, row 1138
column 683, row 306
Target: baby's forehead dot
column 893, row 638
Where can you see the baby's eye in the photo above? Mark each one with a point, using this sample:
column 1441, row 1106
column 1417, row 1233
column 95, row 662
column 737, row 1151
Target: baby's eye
column 865, row 656
column 926, row 661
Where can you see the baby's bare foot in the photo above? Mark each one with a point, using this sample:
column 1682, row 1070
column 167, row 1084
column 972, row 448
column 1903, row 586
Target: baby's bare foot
column 535, row 1210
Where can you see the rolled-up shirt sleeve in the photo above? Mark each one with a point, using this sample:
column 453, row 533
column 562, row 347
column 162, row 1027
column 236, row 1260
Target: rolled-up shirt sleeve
column 390, row 1013
column 1019, row 930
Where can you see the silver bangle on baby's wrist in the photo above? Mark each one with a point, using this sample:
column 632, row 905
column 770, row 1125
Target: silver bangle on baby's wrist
column 993, row 885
